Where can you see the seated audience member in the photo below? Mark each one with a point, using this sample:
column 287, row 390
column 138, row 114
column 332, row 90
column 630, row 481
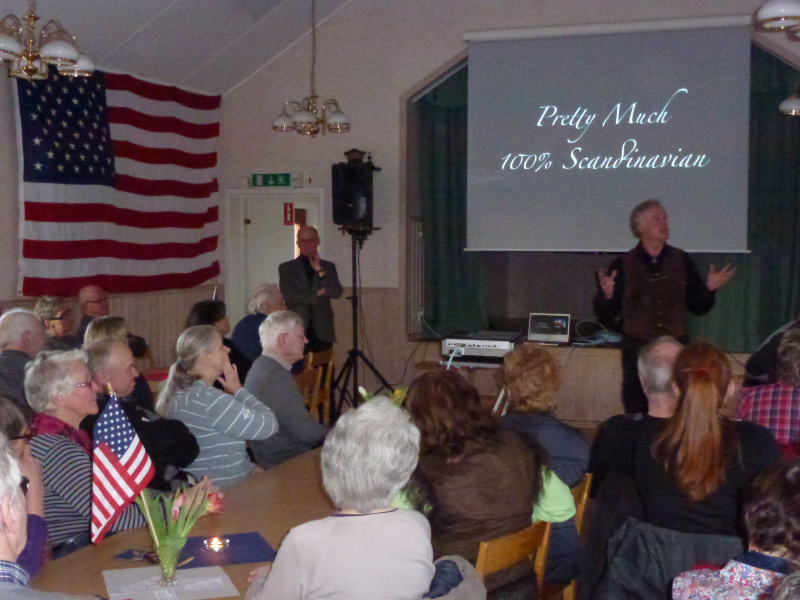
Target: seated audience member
column 14, row 579
column 532, row 379
column 615, row 442
column 21, row 338
column 772, row 519
column 789, row 589
column 15, row 428
column 366, row 549
column 62, row 391
column 168, row 442
column 222, row 422
column 271, row 381
column 611, row 460
column 776, row 406
column 475, row 481
column 94, row 303
column 116, row 329
column 762, row 366
column 214, row 313
column 266, row 300
column 691, row 471
column 58, row 323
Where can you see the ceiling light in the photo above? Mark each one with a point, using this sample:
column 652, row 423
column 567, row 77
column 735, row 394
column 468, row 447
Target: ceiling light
column 310, row 118
column 779, row 14
column 56, row 47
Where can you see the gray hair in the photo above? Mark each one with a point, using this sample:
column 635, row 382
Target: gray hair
column 637, row 214
column 106, row 327
column 789, row 357
column 47, row 307
column 191, row 344
column 10, row 475
column 655, row 369
column 369, row 456
column 267, row 293
column 15, row 323
column 99, row 351
column 275, row 324
column 50, row 374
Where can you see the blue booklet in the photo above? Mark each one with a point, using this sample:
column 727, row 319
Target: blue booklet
column 242, row 548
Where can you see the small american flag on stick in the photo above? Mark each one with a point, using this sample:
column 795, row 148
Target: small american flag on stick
column 121, row 468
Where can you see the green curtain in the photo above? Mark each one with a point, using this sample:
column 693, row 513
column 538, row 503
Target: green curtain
column 766, row 290
column 455, row 281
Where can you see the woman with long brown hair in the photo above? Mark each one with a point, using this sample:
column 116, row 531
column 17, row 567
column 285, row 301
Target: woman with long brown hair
column 691, row 471
column 474, row 481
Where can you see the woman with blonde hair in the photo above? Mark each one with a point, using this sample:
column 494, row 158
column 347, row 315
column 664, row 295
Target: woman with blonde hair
column 533, row 378
column 691, row 471
column 222, row 421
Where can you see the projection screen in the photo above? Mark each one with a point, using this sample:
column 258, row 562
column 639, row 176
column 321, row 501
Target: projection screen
column 567, row 134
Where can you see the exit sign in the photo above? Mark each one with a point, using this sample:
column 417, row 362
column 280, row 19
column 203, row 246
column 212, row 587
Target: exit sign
column 272, row 180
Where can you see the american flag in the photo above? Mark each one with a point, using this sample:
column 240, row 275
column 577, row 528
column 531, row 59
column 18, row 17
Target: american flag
column 119, row 185
column 121, row 468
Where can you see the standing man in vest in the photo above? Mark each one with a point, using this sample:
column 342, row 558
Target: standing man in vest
column 308, row 284
column 646, row 292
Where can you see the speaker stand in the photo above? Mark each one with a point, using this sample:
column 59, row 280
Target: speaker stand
column 358, row 234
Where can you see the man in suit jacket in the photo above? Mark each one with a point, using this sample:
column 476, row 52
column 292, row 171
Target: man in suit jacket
column 308, row 283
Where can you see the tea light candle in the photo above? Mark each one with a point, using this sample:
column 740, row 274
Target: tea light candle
column 216, row 544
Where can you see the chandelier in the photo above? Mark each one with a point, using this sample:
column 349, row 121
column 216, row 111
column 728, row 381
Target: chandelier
column 56, row 47
column 309, row 117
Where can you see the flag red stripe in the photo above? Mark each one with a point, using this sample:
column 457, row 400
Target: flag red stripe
column 155, row 91
column 127, row 116
column 114, row 249
column 51, row 212
column 164, row 187
column 121, row 284
column 164, row 156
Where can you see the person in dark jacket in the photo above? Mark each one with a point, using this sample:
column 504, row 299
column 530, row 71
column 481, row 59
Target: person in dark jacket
column 533, row 379
column 93, row 302
column 214, row 313
column 168, row 442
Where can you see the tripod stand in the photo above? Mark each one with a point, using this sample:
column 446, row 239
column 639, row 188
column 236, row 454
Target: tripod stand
column 358, row 234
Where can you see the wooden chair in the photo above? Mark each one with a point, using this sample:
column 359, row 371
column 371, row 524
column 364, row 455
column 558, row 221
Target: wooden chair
column 580, row 493
column 308, row 382
column 504, row 552
column 324, row 360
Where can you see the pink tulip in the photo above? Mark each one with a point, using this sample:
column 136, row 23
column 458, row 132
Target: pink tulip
column 214, row 503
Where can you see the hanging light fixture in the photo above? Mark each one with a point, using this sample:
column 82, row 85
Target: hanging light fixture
column 791, row 106
column 309, row 118
column 56, row 47
column 779, row 15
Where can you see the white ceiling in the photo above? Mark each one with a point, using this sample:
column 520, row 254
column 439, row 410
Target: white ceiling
column 205, row 45
column 209, row 45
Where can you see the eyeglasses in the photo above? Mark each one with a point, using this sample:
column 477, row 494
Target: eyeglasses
column 63, row 316
column 87, row 383
column 23, row 484
column 100, row 301
column 25, row 436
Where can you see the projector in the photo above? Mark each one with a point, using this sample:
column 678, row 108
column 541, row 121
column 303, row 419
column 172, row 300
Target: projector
column 493, row 344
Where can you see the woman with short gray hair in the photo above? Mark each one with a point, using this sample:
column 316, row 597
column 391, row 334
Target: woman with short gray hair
column 367, row 549
column 58, row 324
column 266, row 299
column 60, row 388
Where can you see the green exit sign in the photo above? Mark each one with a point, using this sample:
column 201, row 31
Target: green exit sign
column 272, row 180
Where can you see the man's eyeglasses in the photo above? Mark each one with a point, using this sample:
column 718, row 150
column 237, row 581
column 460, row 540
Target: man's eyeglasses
column 62, row 316
column 87, row 383
column 100, row 301
column 23, row 484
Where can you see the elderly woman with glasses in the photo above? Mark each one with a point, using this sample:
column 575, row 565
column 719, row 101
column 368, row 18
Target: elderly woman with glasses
column 60, row 389
column 366, row 549
column 14, row 426
column 58, row 323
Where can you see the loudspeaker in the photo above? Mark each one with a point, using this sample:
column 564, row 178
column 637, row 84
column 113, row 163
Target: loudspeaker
column 352, row 193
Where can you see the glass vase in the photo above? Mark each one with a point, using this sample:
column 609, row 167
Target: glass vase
column 168, row 551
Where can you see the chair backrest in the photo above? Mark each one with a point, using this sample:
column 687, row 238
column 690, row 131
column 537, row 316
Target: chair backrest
column 580, row 493
column 504, row 552
column 308, row 382
column 317, row 359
